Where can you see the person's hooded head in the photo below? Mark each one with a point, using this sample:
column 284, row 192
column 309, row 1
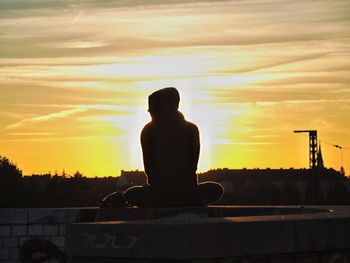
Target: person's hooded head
column 164, row 102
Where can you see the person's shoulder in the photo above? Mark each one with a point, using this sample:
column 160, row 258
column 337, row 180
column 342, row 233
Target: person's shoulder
column 147, row 128
column 191, row 126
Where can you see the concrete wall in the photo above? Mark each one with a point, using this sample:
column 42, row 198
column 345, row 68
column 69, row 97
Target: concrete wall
column 246, row 234
column 19, row 225
column 313, row 237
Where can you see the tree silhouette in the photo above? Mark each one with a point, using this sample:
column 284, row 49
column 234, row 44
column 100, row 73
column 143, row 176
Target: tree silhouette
column 78, row 175
column 342, row 171
column 9, row 170
column 11, row 186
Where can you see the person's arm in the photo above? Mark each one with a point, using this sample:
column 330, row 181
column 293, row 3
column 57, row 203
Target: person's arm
column 146, row 144
column 195, row 147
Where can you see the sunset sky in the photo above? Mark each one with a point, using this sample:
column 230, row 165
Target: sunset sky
column 75, row 76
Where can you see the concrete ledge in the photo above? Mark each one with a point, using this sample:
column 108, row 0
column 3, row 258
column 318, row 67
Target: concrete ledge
column 132, row 213
column 208, row 238
column 46, row 215
column 13, row 216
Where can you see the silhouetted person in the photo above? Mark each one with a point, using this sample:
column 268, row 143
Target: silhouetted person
column 170, row 147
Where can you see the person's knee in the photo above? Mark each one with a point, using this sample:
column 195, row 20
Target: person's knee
column 115, row 199
column 137, row 195
column 211, row 191
column 132, row 191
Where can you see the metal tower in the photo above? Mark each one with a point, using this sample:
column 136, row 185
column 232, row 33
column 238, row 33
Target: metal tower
column 312, row 147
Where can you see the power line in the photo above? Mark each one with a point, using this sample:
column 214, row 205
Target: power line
column 335, row 145
column 341, row 148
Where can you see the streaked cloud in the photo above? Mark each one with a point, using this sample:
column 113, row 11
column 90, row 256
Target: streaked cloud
column 79, row 72
column 31, row 134
column 44, row 118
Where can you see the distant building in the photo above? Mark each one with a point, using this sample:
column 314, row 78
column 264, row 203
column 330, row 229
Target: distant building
column 290, row 174
column 243, row 182
column 226, row 176
column 133, row 177
column 238, row 180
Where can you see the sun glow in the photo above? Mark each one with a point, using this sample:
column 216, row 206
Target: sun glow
column 192, row 74
column 75, row 80
column 156, row 66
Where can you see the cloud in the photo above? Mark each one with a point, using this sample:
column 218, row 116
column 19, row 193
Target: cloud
column 77, row 70
column 31, row 134
column 42, row 138
column 80, row 44
column 277, row 95
column 11, row 115
column 10, row 5
column 79, row 111
column 272, row 62
column 96, row 28
column 45, row 118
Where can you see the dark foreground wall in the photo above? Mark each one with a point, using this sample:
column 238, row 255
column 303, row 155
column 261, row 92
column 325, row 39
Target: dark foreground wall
column 18, row 226
column 229, row 234
column 218, row 234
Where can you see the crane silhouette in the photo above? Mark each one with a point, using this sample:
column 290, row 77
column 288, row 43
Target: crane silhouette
column 313, row 152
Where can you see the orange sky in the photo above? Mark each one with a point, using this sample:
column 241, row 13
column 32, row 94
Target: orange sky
column 75, row 76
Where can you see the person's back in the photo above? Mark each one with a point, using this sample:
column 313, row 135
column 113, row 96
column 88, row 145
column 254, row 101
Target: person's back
column 171, row 150
column 170, row 147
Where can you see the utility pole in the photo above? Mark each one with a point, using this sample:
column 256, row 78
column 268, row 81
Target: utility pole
column 313, row 152
column 341, row 153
